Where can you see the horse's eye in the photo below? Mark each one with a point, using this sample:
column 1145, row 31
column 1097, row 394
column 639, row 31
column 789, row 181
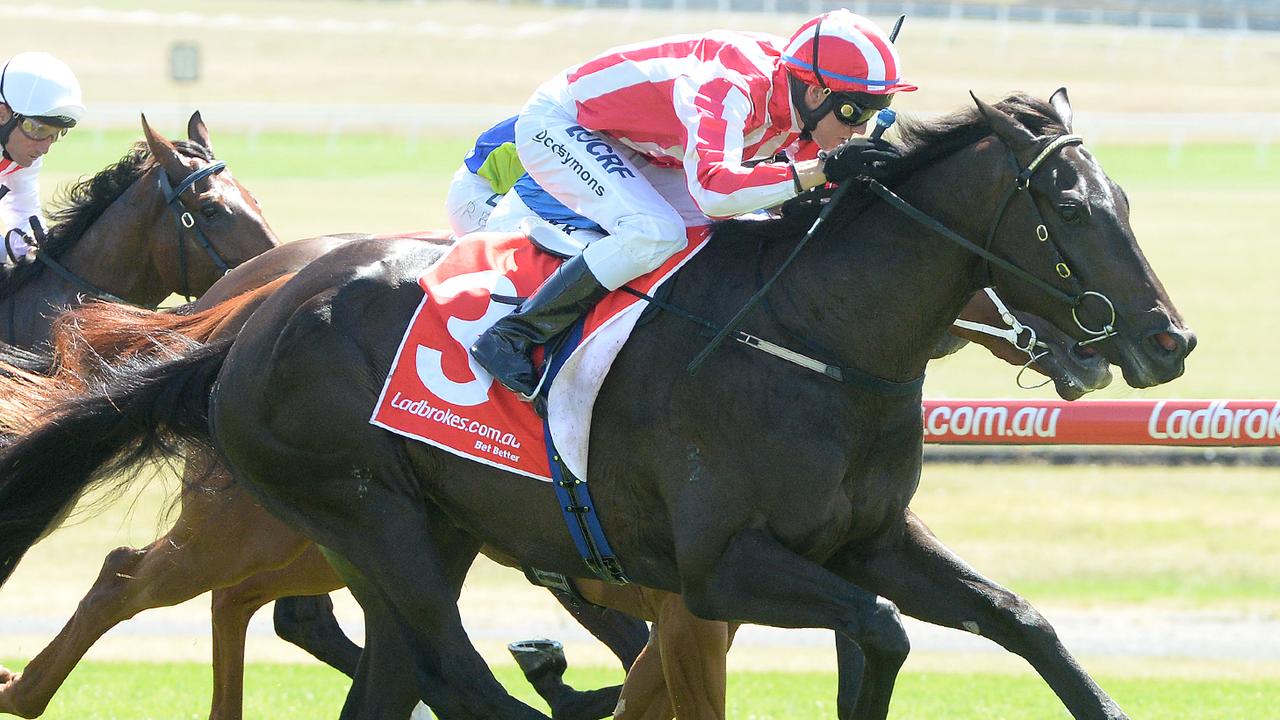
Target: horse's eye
column 210, row 210
column 1072, row 212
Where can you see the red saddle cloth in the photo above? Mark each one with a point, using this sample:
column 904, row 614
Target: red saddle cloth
column 437, row 394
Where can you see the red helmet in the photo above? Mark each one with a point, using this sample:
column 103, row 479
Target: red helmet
column 845, row 52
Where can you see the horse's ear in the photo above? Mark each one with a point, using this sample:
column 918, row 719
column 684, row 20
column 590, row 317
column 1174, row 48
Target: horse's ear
column 1005, row 126
column 165, row 153
column 198, row 133
column 1062, row 105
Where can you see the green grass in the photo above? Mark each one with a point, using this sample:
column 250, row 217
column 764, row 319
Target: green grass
column 177, row 691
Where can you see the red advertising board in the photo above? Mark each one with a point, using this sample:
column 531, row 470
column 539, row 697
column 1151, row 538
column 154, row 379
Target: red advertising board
column 1203, row 423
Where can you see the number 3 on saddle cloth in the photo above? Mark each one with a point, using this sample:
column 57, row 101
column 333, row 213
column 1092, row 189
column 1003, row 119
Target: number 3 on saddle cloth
column 437, row 394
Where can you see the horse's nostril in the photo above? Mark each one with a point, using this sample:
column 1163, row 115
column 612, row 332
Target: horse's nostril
column 1084, row 351
column 1166, row 341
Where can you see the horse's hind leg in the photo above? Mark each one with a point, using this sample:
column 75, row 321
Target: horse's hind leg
column 233, row 606
column 929, row 582
column 308, row 622
column 409, row 562
column 380, row 687
column 199, row 553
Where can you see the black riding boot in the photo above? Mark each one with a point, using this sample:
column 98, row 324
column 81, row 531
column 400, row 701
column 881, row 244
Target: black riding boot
column 503, row 350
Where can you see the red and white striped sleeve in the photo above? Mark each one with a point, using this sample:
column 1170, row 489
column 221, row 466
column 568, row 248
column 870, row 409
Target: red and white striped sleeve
column 715, row 116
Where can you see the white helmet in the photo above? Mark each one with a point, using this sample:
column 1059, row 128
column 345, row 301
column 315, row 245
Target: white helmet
column 39, row 85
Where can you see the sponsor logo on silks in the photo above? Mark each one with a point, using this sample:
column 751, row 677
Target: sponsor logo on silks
column 1216, row 421
column 988, row 421
column 602, row 151
column 572, row 163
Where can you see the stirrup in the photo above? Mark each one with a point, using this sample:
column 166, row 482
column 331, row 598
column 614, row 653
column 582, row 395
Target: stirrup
column 542, row 378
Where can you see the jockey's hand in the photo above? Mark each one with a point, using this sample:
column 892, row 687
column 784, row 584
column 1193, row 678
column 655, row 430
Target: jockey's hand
column 860, row 157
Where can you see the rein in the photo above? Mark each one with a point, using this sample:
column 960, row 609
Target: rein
column 887, row 387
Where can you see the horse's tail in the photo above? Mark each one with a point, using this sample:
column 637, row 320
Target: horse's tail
column 30, row 361
column 21, row 371
column 99, row 332
column 131, row 412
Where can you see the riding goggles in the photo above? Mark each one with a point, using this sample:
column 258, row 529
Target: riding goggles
column 854, row 109
column 40, row 131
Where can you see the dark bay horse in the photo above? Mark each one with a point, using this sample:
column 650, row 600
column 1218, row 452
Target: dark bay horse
column 695, row 501
column 166, row 218
column 269, row 561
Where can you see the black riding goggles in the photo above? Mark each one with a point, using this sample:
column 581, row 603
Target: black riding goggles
column 854, row 109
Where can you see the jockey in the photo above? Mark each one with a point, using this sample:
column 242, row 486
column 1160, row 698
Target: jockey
column 39, row 101
column 488, row 171
column 648, row 138
column 491, row 191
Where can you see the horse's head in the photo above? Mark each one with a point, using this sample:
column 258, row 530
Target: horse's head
column 1029, row 342
column 208, row 222
column 1066, row 224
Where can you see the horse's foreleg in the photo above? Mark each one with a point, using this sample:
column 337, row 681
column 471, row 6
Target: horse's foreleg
column 624, row 634
column 851, row 666
column 756, row 579
column 929, row 582
column 233, row 606
column 308, row 622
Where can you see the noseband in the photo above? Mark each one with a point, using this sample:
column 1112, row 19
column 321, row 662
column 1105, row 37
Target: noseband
column 186, row 221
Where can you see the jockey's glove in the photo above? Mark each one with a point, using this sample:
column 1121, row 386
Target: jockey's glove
column 860, row 157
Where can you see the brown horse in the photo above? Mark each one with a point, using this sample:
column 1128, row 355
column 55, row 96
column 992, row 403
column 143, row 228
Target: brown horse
column 268, row 562
column 818, row 536
column 167, row 218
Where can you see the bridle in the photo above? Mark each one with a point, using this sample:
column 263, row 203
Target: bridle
column 1023, row 338
column 1021, row 186
column 181, row 216
column 1022, row 182
column 186, row 221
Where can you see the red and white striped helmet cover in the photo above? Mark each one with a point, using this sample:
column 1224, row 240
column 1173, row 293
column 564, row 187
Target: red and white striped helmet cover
column 854, row 55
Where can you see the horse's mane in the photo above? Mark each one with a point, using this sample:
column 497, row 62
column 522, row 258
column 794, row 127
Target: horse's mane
column 923, row 141
column 79, row 206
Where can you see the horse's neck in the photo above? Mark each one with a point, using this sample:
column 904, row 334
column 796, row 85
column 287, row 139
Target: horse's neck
column 26, row 317
column 888, row 292
column 115, row 252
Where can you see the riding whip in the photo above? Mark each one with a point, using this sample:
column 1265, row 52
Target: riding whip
column 884, row 119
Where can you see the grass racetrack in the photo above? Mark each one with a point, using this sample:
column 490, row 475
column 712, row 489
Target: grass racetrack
column 1104, row 552
column 148, row 691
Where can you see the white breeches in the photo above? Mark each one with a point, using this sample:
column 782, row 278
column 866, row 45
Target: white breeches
column 470, row 201
column 608, row 183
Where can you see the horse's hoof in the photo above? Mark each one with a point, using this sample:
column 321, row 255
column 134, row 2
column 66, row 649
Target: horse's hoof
column 539, row 658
